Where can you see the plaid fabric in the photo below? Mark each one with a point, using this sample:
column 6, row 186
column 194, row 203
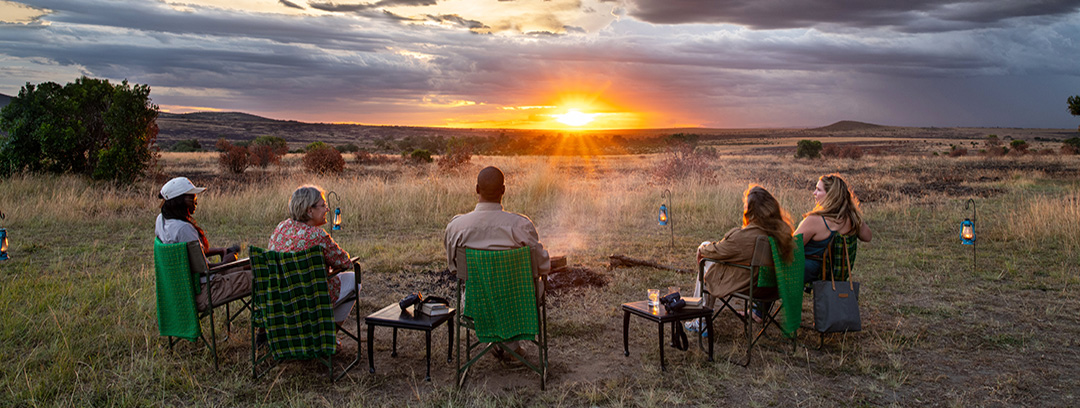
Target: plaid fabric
column 833, row 264
column 789, row 277
column 290, row 299
column 501, row 295
column 175, row 291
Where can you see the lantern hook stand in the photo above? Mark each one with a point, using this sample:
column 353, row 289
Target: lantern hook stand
column 974, row 219
column 670, row 218
column 337, row 199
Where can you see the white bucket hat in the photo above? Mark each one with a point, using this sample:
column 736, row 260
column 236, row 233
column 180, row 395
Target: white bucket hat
column 178, row 187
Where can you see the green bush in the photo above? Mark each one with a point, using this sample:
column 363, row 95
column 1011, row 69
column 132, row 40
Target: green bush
column 420, row 156
column 186, row 146
column 89, row 127
column 315, row 145
column 809, row 149
column 348, row 148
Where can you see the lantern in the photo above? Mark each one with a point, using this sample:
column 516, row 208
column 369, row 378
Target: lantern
column 967, row 232
column 337, row 218
column 3, row 244
column 663, row 214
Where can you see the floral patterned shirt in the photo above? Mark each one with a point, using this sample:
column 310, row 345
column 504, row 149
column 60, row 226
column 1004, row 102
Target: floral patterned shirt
column 293, row 236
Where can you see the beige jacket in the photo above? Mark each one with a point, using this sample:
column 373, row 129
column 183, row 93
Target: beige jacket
column 737, row 247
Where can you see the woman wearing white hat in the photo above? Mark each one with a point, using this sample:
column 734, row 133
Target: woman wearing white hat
column 175, row 225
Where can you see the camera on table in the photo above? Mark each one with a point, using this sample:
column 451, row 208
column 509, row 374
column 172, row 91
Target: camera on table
column 672, row 302
column 412, row 299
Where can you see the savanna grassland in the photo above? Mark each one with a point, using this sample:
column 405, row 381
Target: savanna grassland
column 77, row 300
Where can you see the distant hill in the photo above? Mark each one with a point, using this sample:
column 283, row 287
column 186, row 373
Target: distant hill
column 217, row 117
column 848, row 125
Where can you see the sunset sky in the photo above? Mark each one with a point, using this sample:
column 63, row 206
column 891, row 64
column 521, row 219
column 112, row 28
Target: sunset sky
column 568, row 63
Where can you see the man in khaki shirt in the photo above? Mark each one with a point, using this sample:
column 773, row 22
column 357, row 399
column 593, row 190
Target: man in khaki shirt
column 488, row 227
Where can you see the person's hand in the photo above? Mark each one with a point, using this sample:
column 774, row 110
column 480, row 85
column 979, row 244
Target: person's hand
column 699, row 256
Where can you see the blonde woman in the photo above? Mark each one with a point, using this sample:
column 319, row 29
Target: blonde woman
column 836, row 212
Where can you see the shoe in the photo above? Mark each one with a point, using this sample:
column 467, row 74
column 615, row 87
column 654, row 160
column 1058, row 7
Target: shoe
column 692, row 326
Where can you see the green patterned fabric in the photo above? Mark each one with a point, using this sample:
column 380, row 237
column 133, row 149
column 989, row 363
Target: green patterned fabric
column 291, row 300
column 175, row 291
column 788, row 277
column 501, row 295
column 833, row 258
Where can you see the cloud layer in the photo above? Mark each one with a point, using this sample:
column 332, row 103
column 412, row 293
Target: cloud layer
column 720, row 63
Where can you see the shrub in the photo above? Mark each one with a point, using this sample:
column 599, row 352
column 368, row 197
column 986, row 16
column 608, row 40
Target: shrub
column 809, row 149
column 1070, row 145
column 314, row 145
column 1019, row 147
column 958, row 151
column 267, row 150
column 458, row 154
column 707, row 152
column 233, row 158
column 348, row 148
column 420, row 156
column 324, row 160
column 362, row 156
column 185, row 146
column 682, row 159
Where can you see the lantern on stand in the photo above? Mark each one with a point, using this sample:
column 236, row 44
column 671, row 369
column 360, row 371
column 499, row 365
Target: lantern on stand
column 664, row 217
column 3, row 242
column 337, row 210
column 967, row 232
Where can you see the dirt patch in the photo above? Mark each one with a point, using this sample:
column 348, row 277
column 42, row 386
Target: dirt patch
column 575, row 277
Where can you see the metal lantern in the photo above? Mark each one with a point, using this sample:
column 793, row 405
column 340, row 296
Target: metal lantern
column 3, row 242
column 967, row 232
column 337, row 210
column 665, row 215
column 337, row 218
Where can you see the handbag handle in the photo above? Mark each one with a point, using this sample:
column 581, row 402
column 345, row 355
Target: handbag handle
column 847, row 263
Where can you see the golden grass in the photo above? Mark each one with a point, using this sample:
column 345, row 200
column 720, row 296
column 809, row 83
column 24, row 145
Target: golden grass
column 77, row 298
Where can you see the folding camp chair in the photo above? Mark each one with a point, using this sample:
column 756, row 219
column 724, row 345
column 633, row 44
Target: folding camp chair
column 291, row 301
column 178, row 270
column 502, row 302
column 784, row 294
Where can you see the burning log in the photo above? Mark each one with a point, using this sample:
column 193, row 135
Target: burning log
column 617, row 260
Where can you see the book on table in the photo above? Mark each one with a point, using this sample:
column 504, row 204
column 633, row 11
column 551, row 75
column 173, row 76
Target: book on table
column 694, row 302
column 434, row 309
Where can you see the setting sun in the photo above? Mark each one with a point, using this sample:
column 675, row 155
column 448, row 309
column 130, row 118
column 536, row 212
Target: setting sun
column 574, row 117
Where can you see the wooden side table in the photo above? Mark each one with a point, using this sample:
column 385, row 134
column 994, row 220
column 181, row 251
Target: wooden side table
column 660, row 316
column 393, row 316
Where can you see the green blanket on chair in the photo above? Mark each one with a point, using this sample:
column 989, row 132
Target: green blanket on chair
column 175, row 291
column 500, row 296
column 291, row 300
column 788, row 279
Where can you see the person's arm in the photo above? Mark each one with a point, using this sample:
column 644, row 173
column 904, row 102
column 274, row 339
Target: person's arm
column 865, row 235
column 336, row 258
column 809, row 227
column 723, row 250
column 543, row 260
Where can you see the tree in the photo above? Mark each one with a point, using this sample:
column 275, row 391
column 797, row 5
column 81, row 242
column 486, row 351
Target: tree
column 810, row 149
column 266, row 150
column 1074, row 105
column 88, row 127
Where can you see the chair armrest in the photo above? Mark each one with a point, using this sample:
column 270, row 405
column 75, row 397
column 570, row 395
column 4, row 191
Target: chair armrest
column 243, row 263
column 353, row 262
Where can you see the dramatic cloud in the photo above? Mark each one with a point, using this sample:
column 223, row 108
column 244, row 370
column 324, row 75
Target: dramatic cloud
column 906, row 16
column 386, row 62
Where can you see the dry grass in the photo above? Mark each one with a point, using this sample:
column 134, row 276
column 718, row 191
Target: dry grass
column 77, row 298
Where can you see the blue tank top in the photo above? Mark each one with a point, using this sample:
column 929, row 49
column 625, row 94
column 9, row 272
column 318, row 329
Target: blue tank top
column 817, row 248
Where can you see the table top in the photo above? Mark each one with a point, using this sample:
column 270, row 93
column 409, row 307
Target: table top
column 658, row 313
column 392, row 315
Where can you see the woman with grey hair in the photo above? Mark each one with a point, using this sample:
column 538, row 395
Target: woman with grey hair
column 303, row 229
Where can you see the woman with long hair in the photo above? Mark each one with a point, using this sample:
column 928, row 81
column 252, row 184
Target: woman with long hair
column 176, row 224
column 762, row 215
column 836, row 212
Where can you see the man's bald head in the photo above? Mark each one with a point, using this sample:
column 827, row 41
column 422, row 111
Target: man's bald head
column 489, row 184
